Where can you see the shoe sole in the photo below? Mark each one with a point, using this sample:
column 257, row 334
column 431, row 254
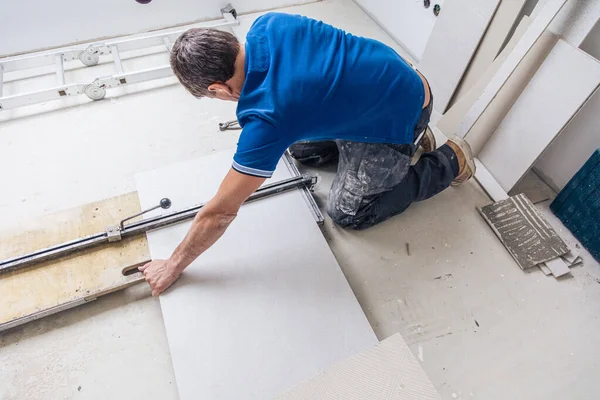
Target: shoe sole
column 468, row 153
column 428, row 143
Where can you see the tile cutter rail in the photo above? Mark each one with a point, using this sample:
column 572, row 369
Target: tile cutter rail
column 303, row 183
column 117, row 232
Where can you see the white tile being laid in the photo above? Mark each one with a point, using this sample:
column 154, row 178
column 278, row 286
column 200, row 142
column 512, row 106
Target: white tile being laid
column 264, row 308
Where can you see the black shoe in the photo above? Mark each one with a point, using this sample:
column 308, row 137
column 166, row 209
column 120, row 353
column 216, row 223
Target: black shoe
column 313, row 153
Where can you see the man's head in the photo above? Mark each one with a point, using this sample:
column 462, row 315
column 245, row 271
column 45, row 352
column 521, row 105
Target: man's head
column 204, row 61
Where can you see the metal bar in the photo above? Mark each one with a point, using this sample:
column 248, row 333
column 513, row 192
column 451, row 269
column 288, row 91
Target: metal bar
column 179, row 216
column 306, row 192
column 155, row 39
column 60, row 70
column 117, row 59
column 50, row 253
column 58, row 56
column 146, row 74
column 134, row 42
column 1, row 79
column 19, row 100
column 167, row 43
column 24, row 99
column 136, row 228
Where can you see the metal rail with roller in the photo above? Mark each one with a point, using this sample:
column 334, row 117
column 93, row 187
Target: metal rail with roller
column 118, row 232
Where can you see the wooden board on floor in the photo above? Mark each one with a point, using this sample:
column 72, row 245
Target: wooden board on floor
column 453, row 41
column 264, row 308
column 388, row 371
column 84, row 275
column 540, row 113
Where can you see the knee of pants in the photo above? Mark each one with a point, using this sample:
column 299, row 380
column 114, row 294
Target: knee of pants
column 342, row 219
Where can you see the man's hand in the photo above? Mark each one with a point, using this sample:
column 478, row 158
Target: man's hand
column 208, row 226
column 159, row 275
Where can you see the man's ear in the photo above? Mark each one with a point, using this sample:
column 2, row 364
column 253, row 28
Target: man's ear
column 220, row 89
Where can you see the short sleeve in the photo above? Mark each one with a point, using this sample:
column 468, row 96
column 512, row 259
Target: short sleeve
column 259, row 148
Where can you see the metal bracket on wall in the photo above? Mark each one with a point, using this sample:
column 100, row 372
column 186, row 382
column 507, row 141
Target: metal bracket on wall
column 90, row 56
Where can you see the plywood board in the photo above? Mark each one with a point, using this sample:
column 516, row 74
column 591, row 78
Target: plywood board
column 542, row 110
column 497, row 33
column 452, row 43
column 389, row 371
column 85, row 275
column 263, row 309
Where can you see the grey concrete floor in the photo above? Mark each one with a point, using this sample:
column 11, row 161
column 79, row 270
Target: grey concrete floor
column 480, row 326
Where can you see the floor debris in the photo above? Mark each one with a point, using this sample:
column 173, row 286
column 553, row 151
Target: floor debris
column 524, row 232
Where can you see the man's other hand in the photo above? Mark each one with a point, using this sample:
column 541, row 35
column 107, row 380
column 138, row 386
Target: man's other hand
column 160, row 275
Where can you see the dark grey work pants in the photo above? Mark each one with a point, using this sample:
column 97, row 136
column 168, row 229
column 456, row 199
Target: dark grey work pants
column 376, row 181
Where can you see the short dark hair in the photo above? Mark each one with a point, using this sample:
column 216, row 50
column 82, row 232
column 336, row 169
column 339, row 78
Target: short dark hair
column 203, row 56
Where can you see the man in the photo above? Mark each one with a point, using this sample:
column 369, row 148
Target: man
column 301, row 83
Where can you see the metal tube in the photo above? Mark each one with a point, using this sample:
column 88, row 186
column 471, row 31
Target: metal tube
column 136, row 228
column 125, row 43
column 1, row 79
column 60, row 70
column 189, row 213
column 117, row 59
column 306, row 190
column 50, row 253
column 167, row 43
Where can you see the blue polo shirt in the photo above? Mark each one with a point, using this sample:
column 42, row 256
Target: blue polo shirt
column 306, row 80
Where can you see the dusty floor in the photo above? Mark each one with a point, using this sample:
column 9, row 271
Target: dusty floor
column 480, row 326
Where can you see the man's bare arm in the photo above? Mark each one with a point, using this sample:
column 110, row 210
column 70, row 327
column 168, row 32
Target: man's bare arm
column 208, row 226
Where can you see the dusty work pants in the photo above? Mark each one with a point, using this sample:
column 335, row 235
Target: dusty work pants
column 376, row 181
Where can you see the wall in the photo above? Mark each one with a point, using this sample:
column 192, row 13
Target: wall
column 408, row 22
column 59, row 22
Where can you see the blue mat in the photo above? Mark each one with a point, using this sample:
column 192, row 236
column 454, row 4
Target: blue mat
column 578, row 205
